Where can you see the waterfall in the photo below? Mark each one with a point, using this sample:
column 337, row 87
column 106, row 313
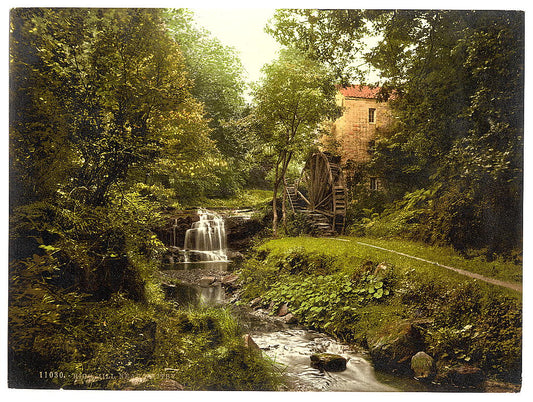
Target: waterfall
column 206, row 240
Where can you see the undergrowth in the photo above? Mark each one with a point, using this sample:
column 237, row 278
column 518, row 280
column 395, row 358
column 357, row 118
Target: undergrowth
column 329, row 286
column 86, row 310
column 104, row 345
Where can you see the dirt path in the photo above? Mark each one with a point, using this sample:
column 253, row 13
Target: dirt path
column 513, row 286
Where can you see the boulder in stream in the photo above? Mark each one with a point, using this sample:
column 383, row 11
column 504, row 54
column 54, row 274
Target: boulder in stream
column 290, row 319
column 392, row 345
column 423, row 366
column 283, row 310
column 328, row 362
column 250, row 344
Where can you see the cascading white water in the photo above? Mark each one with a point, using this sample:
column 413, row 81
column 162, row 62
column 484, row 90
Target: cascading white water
column 206, row 240
column 292, row 348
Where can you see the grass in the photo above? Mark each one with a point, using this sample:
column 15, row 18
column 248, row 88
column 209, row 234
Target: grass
column 498, row 269
column 250, row 198
column 326, row 283
column 349, row 253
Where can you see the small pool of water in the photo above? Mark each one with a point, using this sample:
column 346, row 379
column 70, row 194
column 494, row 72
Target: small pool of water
column 219, row 266
column 192, row 295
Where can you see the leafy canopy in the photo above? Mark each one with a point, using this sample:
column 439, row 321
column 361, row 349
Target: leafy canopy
column 294, row 96
column 103, row 91
column 458, row 78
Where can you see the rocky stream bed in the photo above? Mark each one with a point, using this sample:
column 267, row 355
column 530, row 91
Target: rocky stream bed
column 302, row 353
column 311, row 361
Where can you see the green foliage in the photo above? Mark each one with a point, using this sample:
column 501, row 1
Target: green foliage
column 355, row 297
column 87, row 305
column 297, row 225
column 404, row 218
column 248, row 198
column 216, row 72
column 326, row 35
column 444, row 111
column 101, row 97
column 95, row 87
column 349, row 252
column 470, row 326
column 104, row 344
column 97, row 250
column 458, row 82
column 299, row 260
column 294, row 96
column 104, row 133
column 218, row 82
column 206, row 349
column 81, row 257
column 328, row 302
column 314, row 289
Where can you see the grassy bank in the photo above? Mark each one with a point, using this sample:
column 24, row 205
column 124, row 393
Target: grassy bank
column 121, row 344
column 355, row 293
column 248, row 198
column 349, row 251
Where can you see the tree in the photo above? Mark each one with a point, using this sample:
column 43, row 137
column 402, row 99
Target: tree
column 294, row 96
column 99, row 97
column 458, row 82
column 218, row 82
column 333, row 37
column 99, row 86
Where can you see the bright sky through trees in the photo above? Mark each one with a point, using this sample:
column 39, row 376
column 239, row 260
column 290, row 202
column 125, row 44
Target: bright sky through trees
column 242, row 29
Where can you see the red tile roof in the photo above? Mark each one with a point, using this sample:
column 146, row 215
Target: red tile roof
column 360, row 91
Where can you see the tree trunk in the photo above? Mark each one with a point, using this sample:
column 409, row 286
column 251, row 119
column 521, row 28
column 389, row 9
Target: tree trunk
column 283, row 181
column 275, row 212
column 275, row 200
column 284, row 205
column 279, row 179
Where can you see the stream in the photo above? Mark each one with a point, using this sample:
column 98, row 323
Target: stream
column 292, row 349
column 290, row 346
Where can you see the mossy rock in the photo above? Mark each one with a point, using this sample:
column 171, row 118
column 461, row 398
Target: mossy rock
column 423, row 366
column 328, row 362
column 392, row 346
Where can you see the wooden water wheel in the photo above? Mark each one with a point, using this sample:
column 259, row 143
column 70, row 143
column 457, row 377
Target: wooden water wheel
column 321, row 192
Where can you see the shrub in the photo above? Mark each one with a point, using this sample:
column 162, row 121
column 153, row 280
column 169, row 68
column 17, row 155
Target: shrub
column 463, row 321
column 84, row 301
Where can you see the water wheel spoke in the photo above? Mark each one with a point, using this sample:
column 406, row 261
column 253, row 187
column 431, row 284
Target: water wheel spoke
column 324, row 200
column 303, row 198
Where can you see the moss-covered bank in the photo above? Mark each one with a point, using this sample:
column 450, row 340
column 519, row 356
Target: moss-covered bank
column 393, row 308
column 121, row 344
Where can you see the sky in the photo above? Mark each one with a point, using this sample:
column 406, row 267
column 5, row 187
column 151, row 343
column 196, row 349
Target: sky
column 242, row 29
